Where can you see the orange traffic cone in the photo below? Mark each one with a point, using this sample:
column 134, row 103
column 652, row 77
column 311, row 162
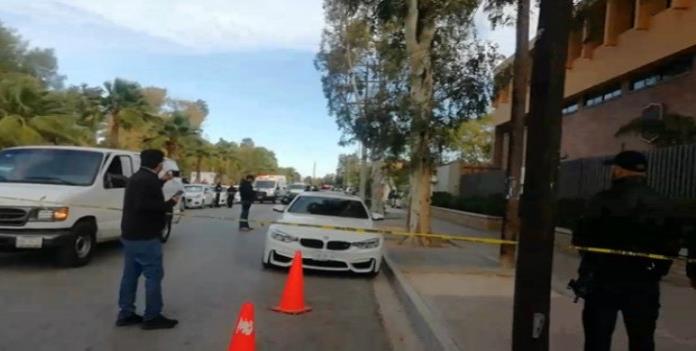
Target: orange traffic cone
column 244, row 335
column 292, row 301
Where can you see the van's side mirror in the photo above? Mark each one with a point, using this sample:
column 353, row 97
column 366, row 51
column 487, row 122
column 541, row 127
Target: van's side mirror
column 279, row 208
column 377, row 217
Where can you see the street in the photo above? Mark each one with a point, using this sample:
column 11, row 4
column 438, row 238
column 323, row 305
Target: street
column 211, row 269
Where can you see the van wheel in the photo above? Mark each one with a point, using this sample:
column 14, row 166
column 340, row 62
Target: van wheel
column 78, row 250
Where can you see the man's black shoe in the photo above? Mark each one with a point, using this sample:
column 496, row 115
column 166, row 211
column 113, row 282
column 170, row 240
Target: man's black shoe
column 133, row 319
column 159, row 322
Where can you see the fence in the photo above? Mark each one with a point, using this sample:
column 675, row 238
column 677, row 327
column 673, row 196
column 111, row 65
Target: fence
column 671, row 171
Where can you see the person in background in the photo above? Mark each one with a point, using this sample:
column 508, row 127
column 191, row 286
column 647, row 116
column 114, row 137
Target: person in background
column 144, row 214
column 248, row 195
column 231, row 193
column 630, row 216
column 218, row 193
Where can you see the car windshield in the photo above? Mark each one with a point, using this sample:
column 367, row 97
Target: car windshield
column 325, row 206
column 265, row 184
column 297, row 187
column 194, row 189
column 49, row 166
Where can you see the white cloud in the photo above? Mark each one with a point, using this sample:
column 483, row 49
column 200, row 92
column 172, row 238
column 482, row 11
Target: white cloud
column 199, row 25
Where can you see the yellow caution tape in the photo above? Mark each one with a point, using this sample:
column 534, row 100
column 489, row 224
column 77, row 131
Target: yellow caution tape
column 472, row 239
column 631, row 253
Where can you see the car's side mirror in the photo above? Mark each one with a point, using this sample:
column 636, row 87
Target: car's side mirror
column 377, row 217
column 279, row 208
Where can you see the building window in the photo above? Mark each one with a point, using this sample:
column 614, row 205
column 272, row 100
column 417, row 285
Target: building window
column 663, row 72
column 599, row 97
column 571, row 108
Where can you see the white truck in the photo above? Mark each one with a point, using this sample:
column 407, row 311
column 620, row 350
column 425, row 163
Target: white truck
column 64, row 199
column 270, row 187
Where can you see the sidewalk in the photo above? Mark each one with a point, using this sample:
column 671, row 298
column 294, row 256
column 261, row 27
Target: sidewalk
column 465, row 291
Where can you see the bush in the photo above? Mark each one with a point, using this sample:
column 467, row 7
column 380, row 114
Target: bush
column 493, row 205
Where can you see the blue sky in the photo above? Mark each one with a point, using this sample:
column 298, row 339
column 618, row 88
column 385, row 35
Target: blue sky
column 252, row 61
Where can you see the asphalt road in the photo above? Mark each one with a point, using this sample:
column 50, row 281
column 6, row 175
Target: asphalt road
column 211, row 269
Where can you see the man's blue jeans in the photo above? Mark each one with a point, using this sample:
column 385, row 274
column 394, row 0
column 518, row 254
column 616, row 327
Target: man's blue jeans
column 141, row 257
column 244, row 218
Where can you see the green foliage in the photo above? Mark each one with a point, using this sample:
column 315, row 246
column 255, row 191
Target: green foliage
column 672, row 129
column 31, row 114
column 16, row 56
column 363, row 66
column 472, row 141
column 348, row 171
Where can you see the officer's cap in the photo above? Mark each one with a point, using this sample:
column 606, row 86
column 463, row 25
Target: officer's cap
column 630, row 160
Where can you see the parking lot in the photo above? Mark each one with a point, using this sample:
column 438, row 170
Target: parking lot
column 211, row 269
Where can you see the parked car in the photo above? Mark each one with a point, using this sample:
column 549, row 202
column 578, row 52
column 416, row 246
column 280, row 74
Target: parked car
column 325, row 249
column 289, row 196
column 66, row 199
column 208, row 196
column 194, row 195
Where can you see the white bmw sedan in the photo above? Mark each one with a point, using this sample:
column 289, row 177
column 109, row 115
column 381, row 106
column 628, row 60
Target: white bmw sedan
column 324, row 248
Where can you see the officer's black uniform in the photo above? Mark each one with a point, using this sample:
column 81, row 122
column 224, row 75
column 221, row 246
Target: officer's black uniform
column 632, row 217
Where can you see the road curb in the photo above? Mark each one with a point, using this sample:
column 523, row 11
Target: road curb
column 431, row 329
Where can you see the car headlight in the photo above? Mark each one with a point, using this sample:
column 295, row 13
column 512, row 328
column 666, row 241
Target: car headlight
column 367, row 244
column 57, row 214
column 281, row 236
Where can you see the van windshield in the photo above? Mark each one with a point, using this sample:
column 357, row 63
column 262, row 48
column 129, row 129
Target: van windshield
column 265, row 184
column 49, row 166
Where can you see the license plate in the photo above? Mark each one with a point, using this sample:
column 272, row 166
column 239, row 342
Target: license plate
column 28, row 242
column 322, row 256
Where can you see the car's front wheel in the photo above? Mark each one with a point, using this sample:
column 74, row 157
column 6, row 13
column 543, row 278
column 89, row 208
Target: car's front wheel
column 266, row 262
column 78, row 250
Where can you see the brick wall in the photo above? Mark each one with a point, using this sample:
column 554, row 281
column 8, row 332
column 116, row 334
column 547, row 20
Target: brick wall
column 590, row 131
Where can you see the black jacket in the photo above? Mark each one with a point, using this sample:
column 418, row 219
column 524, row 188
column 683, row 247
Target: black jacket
column 144, row 208
column 631, row 217
column 246, row 191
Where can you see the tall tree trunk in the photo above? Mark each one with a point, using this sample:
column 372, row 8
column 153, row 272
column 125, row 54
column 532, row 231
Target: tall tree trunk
column 199, row 161
column 378, row 183
column 363, row 172
column 535, row 251
column 420, row 31
column 520, row 75
column 114, row 133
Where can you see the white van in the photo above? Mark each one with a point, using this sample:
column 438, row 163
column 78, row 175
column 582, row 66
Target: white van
column 63, row 198
column 270, row 187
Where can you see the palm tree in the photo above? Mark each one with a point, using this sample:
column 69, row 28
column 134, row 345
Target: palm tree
column 200, row 150
column 171, row 133
column 672, row 129
column 125, row 105
column 30, row 114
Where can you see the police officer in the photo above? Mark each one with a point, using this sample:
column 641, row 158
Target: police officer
column 630, row 216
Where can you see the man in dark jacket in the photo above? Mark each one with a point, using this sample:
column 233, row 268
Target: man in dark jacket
column 144, row 215
column 218, row 194
column 248, row 195
column 629, row 217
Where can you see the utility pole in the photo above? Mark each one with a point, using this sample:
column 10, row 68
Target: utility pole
column 520, row 81
column 314, row 172
column 535, row 251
